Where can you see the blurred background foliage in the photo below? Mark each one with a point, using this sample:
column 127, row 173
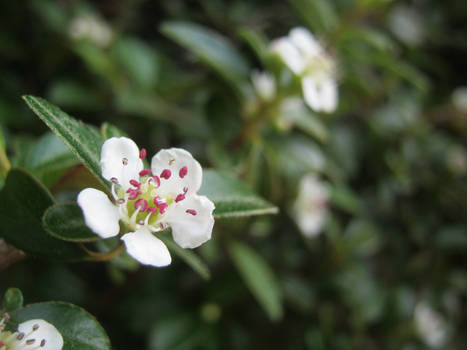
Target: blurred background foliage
column 178, row 73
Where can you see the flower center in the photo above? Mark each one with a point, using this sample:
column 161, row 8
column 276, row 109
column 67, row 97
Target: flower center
column 18, row 340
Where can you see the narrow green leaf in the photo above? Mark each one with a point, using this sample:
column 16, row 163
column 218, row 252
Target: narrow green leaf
column 259, row 278
column 12, row 300
column 212, row 49
column 188, row 256
column 82, row 140
column 23, row 201
column 232, row 198
column 65, row 221
column 318, row 14
column 79, row 329
column 109, row 130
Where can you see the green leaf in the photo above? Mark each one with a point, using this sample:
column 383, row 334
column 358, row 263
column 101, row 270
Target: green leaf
column 109, row 130
column 259, row 278
column 258, row 42
column 232, row 198
column 65, row 221
column 187, row 256
column 23, row 201
column 79, row 329
column 212, row 49
column 138, row 60
column 82, row 140
column 318, row 14
column 12, row 300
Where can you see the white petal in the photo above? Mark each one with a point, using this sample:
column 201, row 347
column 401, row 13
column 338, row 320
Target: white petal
column 143, row 246
column 305, row 42
column 289, row 54
column 311, row 93
column 53, row 338
column 329, row 95
column 99, row 213
column 190, row 231
column 115, row 152
column 174, row 159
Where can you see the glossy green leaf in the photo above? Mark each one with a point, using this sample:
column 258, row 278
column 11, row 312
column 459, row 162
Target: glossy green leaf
column 109, row 130
column 259, row 278
column 212, row 48
column 232, row 198
column 79, row 329
column 23, row 201
column 65, row 221
column 12, row 300
column 188, row 256
column 82, row 140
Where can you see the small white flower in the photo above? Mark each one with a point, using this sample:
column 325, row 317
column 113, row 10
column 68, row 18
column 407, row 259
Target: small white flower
column 430, row 325
column 31, row 335
column 264, row 84
column 149, row 200
column 310, row 208
column 304, row 55
column 91, row 28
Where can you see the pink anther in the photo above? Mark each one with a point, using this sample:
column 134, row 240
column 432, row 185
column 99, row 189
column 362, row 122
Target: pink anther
column 133, row 194
column 162, row 207
column 180, row 197
column 183, row 171
column 142, row 153
column 142, row 204
column 135, row 183
column 152, row 210
column 191, row 211
column 145, row 172
column 157, row 180
column 166, row 173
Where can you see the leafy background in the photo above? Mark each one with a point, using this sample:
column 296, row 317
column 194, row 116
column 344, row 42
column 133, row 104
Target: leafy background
column 177, row 73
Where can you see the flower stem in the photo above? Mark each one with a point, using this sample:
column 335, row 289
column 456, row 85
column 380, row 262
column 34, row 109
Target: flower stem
column 104, row 256
column 4, row 163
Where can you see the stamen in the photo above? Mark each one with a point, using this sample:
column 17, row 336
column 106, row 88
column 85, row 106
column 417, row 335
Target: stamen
column 157, row 180
column 171, row 161
column 135, row 183
column 142, row 153
column 20, row 336
column 114, row 180
column 141, row 204
column 151, row 210
column 134, row 194
column 185, row 190
column 162, row 226
column 162, row 207
column 145, row 172
column 114, row 192
column 166, row 173
column 121, row 200
column 1, row 344
column 124, row 161
column 35, row 327
column 183, row 171
column 141, row 222
column 30, row 341
column 43, row 341
column 191, row 211
column 180, row 197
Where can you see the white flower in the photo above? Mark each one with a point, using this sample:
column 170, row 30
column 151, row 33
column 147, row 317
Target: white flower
column 303, row 54
column 31, row 335
column 430, row 325
column 264, row 84
column 91, row 28
column 149, row 200
column 310, row 208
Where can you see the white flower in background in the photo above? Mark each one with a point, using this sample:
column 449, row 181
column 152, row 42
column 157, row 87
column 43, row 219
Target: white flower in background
column 430, row 325
column 264, row 84
column 311, row 206
column 149, row 200
column 91, row 28
column 31, row 335
column 459, row 99
column 304, row 55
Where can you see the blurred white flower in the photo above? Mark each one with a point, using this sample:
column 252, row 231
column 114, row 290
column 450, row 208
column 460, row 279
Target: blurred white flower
column 311, row 206
column 91, row 28
column 149, row 200
column 459, row 99
column 430, row 325
column 407, row 24
column 304, row 55
column 31, row 335
column 264, row 84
